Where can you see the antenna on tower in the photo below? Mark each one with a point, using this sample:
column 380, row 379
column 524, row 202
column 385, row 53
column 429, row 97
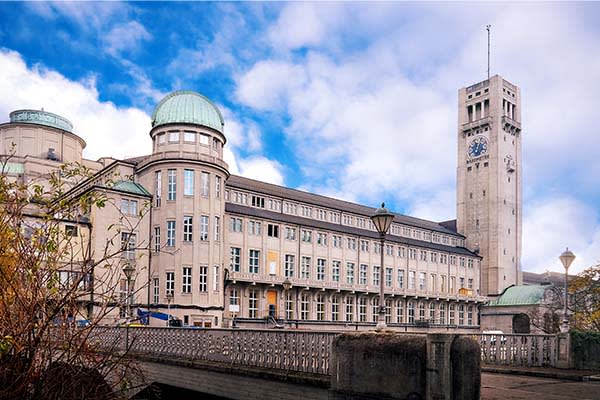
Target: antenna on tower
column 487, row 27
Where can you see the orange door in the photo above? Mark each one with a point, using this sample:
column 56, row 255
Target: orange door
column 272, row 303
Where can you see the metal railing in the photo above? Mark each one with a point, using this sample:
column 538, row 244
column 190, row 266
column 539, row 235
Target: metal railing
column 519, row 350
column 301, row 351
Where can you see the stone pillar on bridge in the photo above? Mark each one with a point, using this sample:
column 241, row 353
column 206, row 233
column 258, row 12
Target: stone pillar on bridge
column 389, row 366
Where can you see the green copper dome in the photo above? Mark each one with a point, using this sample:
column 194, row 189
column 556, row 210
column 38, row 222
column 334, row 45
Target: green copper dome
column 41, row 117
column 187, row 107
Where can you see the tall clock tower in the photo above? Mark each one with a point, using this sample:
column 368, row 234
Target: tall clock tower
column 489, row 179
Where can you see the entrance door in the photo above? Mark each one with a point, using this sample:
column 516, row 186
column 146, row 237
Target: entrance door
column 272, row 303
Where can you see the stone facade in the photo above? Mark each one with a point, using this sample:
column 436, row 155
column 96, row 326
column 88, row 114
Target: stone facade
column 210, row 248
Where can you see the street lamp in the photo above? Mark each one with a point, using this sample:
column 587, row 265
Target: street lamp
column 382, row 219
column 169, row 299
column 287, row 285
column 566, row 258
column 128, row 270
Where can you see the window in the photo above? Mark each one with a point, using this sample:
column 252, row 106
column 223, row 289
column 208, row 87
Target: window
column 411, row 279
column 374, row 308
column 433, row 285
column 442, row 319
column 362, row 309
column 128, row 244
column 401, row 252
column 423, row 254
column 362, row 277
column 161, row 138
column 204, row 184
column 461, row 314
column 189, row 136
column 188, row 182
column 187, row 228
column 170, row 283
column 451, row 315
column 388, row 277
column 470, row 263
column 273, row 230
column 470, row 315
column 235, row 224
column 252, row 304
column 335, row 308
column 306, row 236
column 253, row 261
column 157, row 188
column 364, row 245
column 376, row 275
column 432, row 312
column 155, row 291
column 235, row 259
column 216, row 278
column 234, row 297
column 434, row 257
column 462, row 282
column 204, row 139
column 349, row 308
column 412, row 254
column 305, row 268
column 304, row 306
column 187, row 280
column 411, row 312
column 70, row 230
column 289, row 306
column 217, row 228
column 156, row 239
column 204, row 227
column 462, row 261
column 203, row 278
column 254, row 228
column 422, row 283
column 335, row 271
column 258, row 201
column 321, row 269
column 129, row 207
column 320, row 301
column 174, row 136
column 470, row 283
column 400, row 279
column 389, row 249
column 421, row 311
column 322, row 239
column 337, row 241
column 351, row 244
column 350, row 273
column 289, row 265
column 290, row 233
column 218, row 187
column 443, row 283
column 399, row 311
column 171, row 184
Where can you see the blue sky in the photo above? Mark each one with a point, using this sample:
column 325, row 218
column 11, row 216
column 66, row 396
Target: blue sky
column 353, row 100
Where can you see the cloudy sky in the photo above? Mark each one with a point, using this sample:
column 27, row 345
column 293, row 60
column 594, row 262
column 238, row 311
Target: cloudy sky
column 352, row 100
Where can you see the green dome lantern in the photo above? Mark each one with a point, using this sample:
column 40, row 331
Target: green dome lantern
column 187, row 107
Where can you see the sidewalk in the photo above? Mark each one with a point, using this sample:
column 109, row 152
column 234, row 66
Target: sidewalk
column 553, row 373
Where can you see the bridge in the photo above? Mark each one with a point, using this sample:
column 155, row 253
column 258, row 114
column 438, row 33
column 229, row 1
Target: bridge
column 290, row 364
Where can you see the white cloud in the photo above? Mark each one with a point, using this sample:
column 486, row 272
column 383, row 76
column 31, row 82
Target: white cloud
column 125, row 37
column 553, row 224
column 108, row 130
column 262, row 169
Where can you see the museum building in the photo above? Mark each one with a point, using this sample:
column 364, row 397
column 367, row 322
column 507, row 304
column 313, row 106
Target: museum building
column 214, row 249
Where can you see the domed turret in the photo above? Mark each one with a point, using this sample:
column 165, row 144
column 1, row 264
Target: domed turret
column 187, row 107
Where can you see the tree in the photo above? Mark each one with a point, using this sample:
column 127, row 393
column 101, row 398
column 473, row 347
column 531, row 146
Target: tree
column 51, row 278
column 584, row 300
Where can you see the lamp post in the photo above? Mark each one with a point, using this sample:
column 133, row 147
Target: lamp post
column 169, row 299
column 287, row 285
column 382, row 219
column 128, row 270
column 566, row 258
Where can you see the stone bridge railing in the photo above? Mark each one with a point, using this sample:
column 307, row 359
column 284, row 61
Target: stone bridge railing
column 287, row 350
column 301, row 351
column 519, row 350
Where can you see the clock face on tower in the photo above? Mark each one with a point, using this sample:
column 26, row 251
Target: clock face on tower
column 478, row 147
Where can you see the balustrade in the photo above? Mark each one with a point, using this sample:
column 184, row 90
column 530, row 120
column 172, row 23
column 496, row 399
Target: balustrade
column 302, row 351
column 519, row 350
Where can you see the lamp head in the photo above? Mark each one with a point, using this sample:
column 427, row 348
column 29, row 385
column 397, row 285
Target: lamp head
column 566, row 258
column 382, row 219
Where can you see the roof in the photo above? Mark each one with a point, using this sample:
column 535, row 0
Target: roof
column 555, row 278
column 12, row 168
column 450, row 224
column 131, row 187
column 520, row 295
column 41, row 117
column 187, row 107
column 240, row 182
